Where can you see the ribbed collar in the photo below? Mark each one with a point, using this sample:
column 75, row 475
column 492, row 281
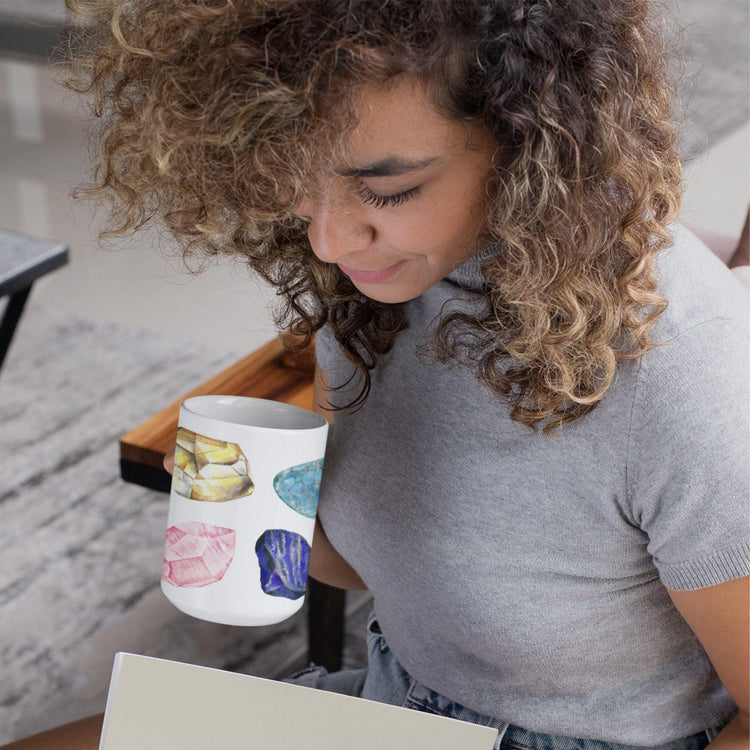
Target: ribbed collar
column 469, row 275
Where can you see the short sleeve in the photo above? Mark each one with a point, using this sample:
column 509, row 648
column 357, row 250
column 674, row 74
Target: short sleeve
column 689, row 457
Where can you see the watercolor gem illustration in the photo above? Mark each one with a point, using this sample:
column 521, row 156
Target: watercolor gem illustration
column 284, row 557
column 210, row 470
column 197, row 554
column 298, row 486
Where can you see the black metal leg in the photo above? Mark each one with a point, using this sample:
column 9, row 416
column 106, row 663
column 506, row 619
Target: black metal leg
column 145, row 476
column 11, row 316
column 325, row 624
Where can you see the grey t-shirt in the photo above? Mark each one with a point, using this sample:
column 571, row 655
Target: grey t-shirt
column 524, row 576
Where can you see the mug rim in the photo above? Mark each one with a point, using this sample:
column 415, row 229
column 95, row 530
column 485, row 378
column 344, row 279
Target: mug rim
column 314, row 420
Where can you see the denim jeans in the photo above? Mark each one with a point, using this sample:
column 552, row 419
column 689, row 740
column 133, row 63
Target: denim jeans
column 386, row 681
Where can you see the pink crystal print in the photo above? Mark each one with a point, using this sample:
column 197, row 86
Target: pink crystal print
column 196, row 554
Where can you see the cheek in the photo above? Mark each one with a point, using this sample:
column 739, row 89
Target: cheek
column 434, row 224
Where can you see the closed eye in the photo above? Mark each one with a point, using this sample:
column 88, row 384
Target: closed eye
column 385, row 201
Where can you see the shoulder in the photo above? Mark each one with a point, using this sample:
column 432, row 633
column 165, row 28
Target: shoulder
column 698, row 288
column 701, row 350
column 700, row 358
column 689, row 410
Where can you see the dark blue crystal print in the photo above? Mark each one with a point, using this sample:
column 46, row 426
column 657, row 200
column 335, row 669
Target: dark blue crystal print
column 298, row 486
column 284, row 557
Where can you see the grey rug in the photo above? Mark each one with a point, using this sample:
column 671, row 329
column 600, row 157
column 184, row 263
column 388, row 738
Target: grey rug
column 80, row 550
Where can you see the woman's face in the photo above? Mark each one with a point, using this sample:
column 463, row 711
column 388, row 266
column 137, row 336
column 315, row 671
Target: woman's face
column 407, row 206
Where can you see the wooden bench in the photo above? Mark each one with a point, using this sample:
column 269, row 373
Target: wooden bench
column 272, row 372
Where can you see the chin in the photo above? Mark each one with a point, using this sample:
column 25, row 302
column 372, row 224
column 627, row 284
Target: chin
column 390, row 296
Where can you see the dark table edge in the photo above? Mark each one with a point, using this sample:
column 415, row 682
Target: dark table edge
column 145, row 476
column 33, row 40
column 30, row 274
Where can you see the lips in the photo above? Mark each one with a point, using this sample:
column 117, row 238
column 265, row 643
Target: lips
column 372, row 277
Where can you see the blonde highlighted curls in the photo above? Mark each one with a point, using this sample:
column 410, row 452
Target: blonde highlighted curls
column 215, row 112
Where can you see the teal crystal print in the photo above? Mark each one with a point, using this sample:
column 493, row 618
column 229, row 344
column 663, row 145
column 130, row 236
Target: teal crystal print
column 284, row 557
column 298, row 486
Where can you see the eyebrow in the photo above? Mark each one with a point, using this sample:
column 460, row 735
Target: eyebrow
column 390, row 166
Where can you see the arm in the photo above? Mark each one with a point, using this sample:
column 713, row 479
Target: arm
column 718, row 615
column 326, row 565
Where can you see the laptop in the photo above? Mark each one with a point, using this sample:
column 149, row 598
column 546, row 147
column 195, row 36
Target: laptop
column 155, row 704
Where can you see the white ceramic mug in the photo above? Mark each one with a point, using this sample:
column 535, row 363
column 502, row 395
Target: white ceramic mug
column 242, row 509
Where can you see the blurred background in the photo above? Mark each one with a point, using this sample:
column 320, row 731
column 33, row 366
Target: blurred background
column 124, row 329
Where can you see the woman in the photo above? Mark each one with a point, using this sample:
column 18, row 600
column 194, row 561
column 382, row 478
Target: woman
column 538, row 465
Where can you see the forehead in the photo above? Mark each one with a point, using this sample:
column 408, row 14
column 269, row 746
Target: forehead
column 400, row 119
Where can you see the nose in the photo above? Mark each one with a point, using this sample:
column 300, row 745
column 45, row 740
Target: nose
column 337, row 228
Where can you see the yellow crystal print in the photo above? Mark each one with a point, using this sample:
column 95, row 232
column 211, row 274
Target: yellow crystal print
column 209, row 470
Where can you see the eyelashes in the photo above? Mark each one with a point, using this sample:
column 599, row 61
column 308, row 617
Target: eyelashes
column 385, row 201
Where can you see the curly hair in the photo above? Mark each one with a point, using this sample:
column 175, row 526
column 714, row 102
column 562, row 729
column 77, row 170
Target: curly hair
column 216, row 112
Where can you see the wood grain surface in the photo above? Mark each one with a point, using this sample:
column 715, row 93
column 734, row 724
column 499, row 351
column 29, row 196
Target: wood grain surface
column 274, row 372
